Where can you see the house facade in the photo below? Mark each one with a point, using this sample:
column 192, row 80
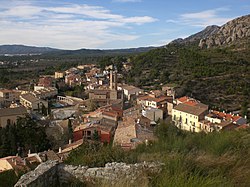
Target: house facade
column 8, row 96
column 187, row 117
column 10, row 115
column 31, row 102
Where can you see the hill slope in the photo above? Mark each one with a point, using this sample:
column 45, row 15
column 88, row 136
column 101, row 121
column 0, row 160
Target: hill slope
column 22, row 49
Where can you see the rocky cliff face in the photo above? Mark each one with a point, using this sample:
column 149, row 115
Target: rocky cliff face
column 229, row 33
column 207, row 32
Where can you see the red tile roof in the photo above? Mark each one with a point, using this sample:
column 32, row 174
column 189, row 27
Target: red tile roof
column 148, row 98
column 183, row 99
column 225, row 116
column 110, row 113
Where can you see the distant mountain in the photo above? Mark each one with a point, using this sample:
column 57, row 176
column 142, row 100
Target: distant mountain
column 99, row 52
column 208, row 31
column 31, row 50
column 230, row 33
column 24, row 50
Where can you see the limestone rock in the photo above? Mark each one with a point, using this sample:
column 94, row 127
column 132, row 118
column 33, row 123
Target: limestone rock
column 229, row 33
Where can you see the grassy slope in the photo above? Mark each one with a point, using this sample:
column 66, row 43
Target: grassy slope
column 215, row 159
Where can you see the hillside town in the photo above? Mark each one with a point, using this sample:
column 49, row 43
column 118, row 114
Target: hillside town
column 105, row 110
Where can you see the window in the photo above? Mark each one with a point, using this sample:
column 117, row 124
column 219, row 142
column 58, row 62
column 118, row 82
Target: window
column 8, row 122
column 7, row 95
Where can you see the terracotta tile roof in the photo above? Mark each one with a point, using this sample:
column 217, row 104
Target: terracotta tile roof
column 72, row 146
column 145, row 97
column 100, row 92
column 5, row 90
column 29, row 97
column 110, row 113
column 148, row 98
column 16, row 163
column 243, row 126
column 188, row 100
column 183, row 99
column 224, row 123
column 195, row 110
column 13, row 111
column 32, row 159
column 225, row 116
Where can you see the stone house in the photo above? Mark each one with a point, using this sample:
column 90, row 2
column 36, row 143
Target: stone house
column 31, row 102
column 187, row 117
column 8, row 96
column 10, row 115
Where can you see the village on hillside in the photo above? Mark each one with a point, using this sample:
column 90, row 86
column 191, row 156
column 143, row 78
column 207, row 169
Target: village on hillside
column 86, row 103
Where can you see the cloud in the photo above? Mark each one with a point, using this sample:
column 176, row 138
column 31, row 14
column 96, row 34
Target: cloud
column 127, row 1
column 203, row 18
column 67, row 26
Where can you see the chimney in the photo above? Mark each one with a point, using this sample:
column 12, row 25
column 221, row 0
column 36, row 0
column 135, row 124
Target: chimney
column 15, row 162
column 29, row 152
column 70, row 141
column 24, row 162
column 60, row 150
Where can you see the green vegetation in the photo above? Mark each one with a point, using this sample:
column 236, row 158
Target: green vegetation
column 218, row 77
column 94, row 154
column 8, row 178
column 191, row 159
column 21, row 137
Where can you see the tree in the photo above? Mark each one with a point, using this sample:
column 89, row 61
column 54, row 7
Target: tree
column 70, row 129
column 91, row 105
column 96, row 135
column 244, row 108
column 49, row 107
column 44, row 110
column 23, row 136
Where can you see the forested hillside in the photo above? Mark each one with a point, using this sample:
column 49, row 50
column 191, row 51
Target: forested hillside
column 219, row 77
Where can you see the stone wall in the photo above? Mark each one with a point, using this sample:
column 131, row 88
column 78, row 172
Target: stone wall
column 58, row 174
column 44, row 175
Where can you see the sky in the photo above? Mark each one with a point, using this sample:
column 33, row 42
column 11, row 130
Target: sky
column 110, row 24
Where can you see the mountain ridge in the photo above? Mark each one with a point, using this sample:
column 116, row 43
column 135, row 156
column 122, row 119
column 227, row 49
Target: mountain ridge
column 33, row 50
column 208, row 31
column 229, row 33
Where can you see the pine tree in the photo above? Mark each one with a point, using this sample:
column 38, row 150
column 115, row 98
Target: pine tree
column 70, row 129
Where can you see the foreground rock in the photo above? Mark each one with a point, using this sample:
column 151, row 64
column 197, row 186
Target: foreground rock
column 52, row 173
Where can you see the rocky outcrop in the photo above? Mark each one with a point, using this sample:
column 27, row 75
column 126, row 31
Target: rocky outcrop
column 229, row 33
column 44, row 175
column 52, row 173
column 207, row 32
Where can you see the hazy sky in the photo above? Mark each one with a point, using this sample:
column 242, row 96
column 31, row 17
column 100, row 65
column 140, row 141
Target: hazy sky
column 105, row 24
